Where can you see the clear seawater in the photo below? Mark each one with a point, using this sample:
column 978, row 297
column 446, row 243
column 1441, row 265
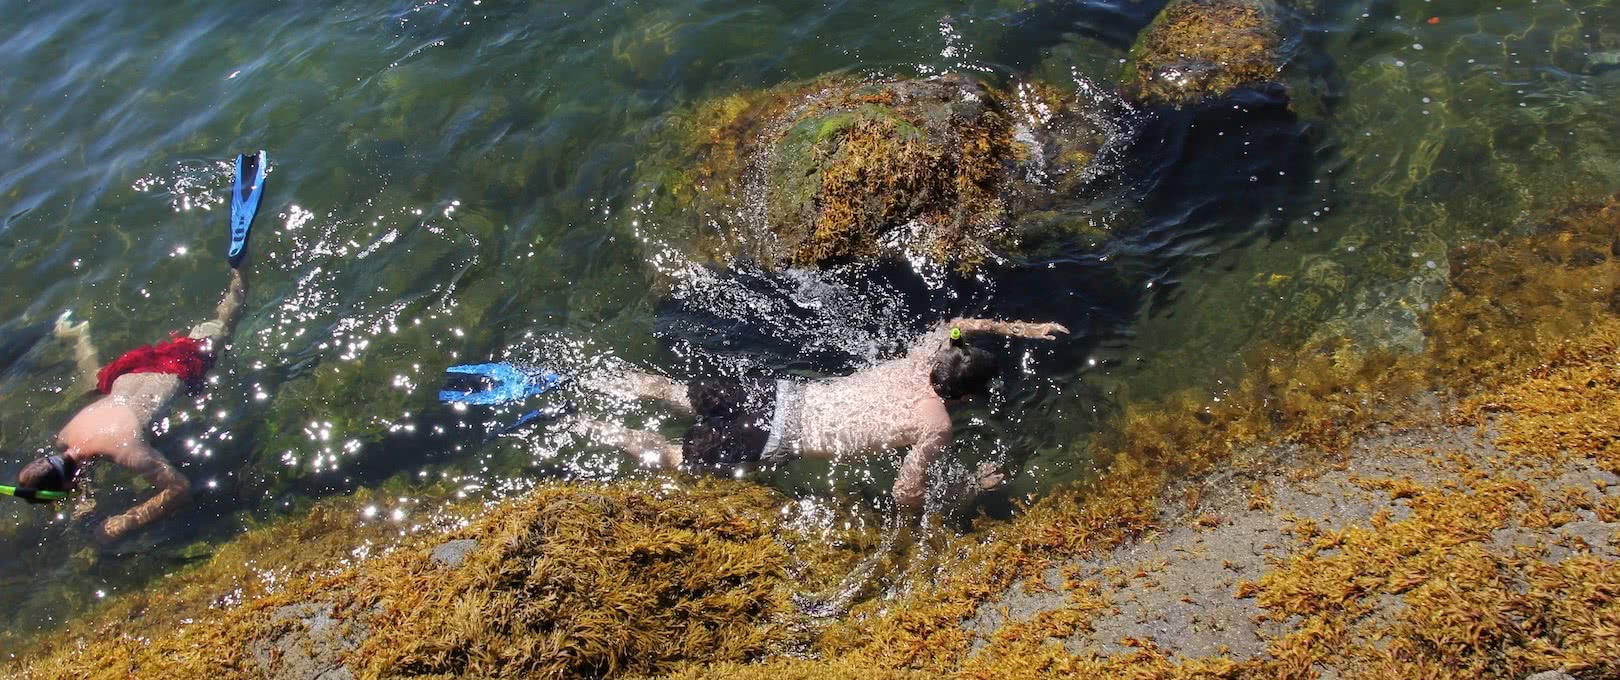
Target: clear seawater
column 463, row 181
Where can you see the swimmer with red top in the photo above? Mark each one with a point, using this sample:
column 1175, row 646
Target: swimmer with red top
column 138, row 387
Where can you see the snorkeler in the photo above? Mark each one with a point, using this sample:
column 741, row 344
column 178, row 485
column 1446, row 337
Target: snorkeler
column 895, row 404
column 138, row 386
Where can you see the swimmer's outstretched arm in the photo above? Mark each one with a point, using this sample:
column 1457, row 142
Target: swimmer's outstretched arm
column 227, row 312
column 940, row 336
column 1016, row 329
column 173, row 488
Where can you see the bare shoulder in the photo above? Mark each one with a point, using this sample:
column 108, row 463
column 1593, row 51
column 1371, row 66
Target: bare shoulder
column 106, row 429
column 128, row 455
column 933, row 340
column 932, row 416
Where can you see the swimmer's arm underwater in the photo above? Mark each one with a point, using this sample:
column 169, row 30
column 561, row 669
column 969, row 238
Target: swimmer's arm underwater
column 173, row 488
column 912, row 482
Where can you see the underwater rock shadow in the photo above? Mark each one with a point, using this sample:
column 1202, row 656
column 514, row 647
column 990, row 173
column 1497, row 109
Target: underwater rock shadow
column 1114, row 23
column 1304, row 30
column 18, row 341
column 1217, row 176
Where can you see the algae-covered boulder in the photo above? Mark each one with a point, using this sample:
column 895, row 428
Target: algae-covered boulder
column 1204, row 49
column 838, row 168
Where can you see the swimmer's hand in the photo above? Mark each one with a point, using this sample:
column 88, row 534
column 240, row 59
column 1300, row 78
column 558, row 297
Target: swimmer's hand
column 909, row 499
column 114, row 528
column 990, row 477
column 1041, row 331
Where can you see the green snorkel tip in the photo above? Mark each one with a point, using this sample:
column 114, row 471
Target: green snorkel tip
column 27, row 493
column 956, row 335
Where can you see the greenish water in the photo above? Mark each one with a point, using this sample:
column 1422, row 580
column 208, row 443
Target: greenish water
column 456, row 181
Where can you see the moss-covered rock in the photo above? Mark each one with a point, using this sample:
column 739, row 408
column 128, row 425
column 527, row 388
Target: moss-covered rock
column 838, row 168
column 1203, row 49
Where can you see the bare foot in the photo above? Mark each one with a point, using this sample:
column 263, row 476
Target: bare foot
column 65, row 328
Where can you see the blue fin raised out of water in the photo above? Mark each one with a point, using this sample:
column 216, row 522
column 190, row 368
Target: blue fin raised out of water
column 245, row 200
column 495, row 384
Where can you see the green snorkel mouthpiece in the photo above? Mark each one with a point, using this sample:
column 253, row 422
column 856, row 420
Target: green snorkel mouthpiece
column 29, row 493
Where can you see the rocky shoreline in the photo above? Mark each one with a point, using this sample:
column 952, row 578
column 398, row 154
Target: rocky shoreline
column 1343, row 512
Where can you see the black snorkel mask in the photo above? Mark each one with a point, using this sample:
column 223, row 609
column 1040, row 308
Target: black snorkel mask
column 61, row 476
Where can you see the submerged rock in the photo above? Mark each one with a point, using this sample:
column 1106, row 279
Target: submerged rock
column 1204, row 49
column 313, row 644
column 840, row 168
column 453, row 553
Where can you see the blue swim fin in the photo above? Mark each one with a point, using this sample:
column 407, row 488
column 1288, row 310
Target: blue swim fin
column 495, row 384
column 245, row 200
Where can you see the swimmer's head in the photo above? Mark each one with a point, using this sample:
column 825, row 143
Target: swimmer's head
column 51, row 473
column 962, row 371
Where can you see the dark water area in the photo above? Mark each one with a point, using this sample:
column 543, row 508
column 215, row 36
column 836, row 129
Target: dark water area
column 465, row 181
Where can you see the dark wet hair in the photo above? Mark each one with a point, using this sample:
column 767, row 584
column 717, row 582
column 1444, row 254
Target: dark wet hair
column 960, row 370
column 51, row 473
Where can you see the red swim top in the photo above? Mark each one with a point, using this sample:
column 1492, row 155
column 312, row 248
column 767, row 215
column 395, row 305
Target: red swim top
column 179, row 356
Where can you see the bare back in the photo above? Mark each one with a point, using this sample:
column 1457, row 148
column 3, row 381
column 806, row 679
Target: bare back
column 115, row 425
column 885, row 407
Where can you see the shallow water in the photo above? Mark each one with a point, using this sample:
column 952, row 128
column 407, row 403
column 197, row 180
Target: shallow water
column 461, row 181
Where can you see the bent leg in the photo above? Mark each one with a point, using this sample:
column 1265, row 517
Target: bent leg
column 649, row 448
column 84, row 349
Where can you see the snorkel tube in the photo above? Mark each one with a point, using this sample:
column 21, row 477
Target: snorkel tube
column 29, row 493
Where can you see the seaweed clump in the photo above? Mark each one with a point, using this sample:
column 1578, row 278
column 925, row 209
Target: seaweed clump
column 1203, row 49
column 837, row 168
column 569, row 581
column 325, row 538
column 1466, row 607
